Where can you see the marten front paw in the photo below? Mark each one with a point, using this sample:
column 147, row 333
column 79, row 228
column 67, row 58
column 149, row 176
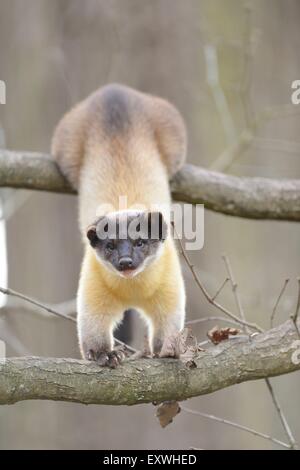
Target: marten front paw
column 107, row 359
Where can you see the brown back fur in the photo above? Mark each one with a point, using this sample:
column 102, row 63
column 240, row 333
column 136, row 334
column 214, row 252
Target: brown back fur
column 115, row 112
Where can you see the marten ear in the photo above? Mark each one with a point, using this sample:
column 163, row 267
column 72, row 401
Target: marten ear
column 157, row 227
column 92, row 235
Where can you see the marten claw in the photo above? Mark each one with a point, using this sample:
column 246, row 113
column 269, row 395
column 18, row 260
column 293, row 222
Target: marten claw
column 107, row 359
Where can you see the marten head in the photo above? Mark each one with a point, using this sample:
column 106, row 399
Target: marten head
column 127, row 242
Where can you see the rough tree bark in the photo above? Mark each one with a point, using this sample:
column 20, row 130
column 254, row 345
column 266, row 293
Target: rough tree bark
column 142, row 381
column 237, row 360
column 253, row 197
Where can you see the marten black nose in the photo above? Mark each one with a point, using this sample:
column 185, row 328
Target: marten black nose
column 125, row 262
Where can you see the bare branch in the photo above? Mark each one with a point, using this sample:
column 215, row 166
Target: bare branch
column 277, row 302
column 208, row 297
column 285, row 424
column 52, row 311
column 146, row 380
column 281, row 415
column 235, row 290
column 234, row 151
column 220, row 288
column 235, row 425
column 247, row 136
column 30, row 170
column 212, row 318
column 295, row 316
column 256, row 198
column 32, row 301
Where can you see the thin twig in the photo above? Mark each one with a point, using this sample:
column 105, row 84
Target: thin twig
column 212, row 318
column 235, row 290
column 247, row 135
column 207, row 295
column 294, row 317
column 277, row 302
column 236, row 425
column 32, row 301
column 293, row 444
column 220, row 288
column 280, row 413
column 53, row 312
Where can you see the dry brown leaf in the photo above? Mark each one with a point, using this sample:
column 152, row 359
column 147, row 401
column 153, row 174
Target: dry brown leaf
column 183, row 346
column 166, row 411
column 216, row 334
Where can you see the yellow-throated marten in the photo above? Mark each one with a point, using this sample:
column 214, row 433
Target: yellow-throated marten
column 123, row 143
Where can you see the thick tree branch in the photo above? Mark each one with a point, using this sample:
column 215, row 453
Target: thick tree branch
column 256, row 198
column 30, row 170
column 147, row 380
column 252, row 197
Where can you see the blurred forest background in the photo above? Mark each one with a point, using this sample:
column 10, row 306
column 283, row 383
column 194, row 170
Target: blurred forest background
column 53, row 54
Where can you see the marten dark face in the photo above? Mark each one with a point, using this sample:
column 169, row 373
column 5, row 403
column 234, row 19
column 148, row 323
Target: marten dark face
column 127, row 242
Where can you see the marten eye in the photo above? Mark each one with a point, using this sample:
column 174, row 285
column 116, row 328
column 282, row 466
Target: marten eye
column 140, row 242
column 110, row 246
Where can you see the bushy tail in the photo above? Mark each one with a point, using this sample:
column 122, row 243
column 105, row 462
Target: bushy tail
column 112, row 110
column 170, row 133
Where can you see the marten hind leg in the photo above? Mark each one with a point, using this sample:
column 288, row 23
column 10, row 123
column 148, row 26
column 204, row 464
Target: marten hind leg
column 163, row 330
column 165, row 313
